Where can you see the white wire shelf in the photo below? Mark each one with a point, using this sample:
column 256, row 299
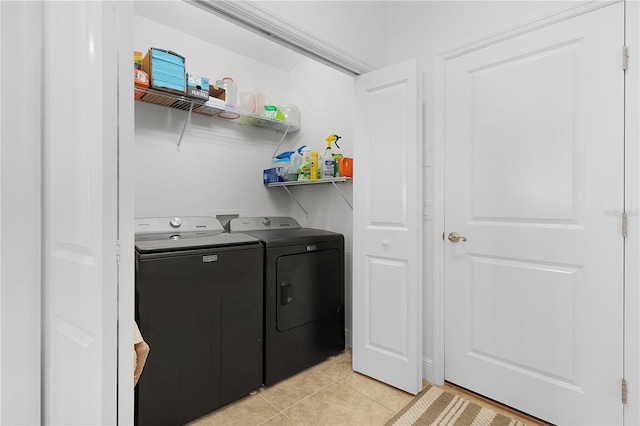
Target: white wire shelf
column 310, row 182
column 221, row 112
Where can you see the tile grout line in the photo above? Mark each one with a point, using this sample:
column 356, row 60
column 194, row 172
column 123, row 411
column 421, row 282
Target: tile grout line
column 371, row 399
column 297, row 402
column 393, row 410
column 270, row 403
column 338, row 382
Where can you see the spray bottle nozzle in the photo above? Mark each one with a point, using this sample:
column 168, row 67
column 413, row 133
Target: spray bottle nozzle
column 286, row 154
column 333, row 138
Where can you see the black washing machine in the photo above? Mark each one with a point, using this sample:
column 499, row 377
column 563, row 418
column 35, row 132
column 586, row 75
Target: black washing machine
column 304, row 293
column 199, row 301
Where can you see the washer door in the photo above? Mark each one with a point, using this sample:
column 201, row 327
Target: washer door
column 309, row 287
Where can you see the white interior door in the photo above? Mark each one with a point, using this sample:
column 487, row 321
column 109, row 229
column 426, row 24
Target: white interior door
column 387, row 234
column 534, row 180
column 80, row 210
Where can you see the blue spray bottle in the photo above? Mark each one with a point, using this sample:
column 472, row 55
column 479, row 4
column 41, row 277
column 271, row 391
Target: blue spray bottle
column 293, row 160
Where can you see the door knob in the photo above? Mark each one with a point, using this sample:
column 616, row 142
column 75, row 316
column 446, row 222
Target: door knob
column 454, row 237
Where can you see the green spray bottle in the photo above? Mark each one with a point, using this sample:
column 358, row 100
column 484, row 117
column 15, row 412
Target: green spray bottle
column 304, row 170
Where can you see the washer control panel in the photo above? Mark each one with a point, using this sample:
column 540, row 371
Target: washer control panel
column 155, row 225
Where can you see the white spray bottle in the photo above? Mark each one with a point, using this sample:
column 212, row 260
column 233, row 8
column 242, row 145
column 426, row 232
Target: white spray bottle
column 328, row 161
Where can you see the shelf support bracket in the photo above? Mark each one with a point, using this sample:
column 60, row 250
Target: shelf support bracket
column 297, row 202
column 344, row 197
column 281, row 140
column 185, row 125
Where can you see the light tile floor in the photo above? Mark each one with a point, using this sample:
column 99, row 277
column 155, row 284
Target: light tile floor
column 330, row 393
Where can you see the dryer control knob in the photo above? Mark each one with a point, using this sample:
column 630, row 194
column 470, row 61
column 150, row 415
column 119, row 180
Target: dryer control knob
column 266, row 221
column 175, row 222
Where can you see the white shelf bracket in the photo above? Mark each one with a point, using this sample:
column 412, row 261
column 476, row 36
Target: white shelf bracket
column 332, row 181
column 185, row 125
column 281, row 140
column 344, row 197
column 297, row 202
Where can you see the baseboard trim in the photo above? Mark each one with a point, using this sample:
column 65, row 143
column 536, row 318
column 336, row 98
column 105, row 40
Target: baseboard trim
column 429, row 372
column 348, row 338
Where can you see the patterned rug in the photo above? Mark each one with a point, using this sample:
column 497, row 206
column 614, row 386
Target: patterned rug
column 436, row 406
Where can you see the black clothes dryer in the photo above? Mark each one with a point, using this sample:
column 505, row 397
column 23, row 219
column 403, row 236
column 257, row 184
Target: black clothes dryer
column 304, row 293
column 199, row 299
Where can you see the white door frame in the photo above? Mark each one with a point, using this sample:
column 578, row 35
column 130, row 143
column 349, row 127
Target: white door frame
column 632, row 207
column 21, row 213
column 126, row 214
column 20, row 217
column 249, row 15
column 632, row 195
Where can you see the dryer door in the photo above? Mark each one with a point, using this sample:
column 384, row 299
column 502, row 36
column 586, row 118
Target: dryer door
column 309, row 287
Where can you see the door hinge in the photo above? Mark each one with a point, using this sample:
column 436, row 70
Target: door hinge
column 624, row 225
column 624, row 390
column 625, row 57
column 118, row 253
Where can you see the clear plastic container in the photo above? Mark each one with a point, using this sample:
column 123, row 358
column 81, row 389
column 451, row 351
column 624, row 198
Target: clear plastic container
column 231, row 89
column 252, row 102
column 291, row 114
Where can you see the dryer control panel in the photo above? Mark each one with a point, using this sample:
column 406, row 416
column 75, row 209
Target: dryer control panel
column 263, row 223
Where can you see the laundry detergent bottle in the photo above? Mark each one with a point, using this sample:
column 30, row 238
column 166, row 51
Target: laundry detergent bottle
column 296, row 160
column 304, row 170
